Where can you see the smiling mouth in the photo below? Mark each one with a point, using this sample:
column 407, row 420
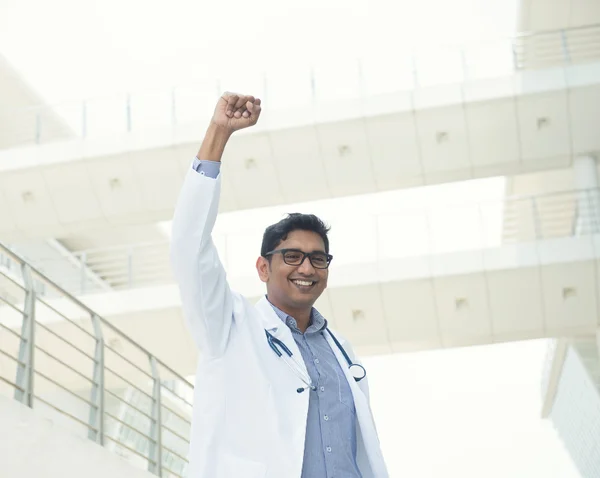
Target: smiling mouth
column 303, row 284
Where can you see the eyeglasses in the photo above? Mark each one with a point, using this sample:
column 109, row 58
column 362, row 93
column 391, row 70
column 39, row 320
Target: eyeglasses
column 295, row 257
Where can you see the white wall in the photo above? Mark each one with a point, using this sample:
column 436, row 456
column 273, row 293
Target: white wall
column 33, row 447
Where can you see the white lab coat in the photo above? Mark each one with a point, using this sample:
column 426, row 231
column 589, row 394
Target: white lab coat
column 248, row 419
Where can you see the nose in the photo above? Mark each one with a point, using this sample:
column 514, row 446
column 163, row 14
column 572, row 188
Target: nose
column 306, row 267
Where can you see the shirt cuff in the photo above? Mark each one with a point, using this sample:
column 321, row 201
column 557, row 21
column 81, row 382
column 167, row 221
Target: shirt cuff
column 207, row 168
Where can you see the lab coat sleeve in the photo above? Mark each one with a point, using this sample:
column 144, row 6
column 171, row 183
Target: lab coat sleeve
column 205, row 294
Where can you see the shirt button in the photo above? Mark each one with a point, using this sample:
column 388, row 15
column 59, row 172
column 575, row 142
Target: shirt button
column 328, row 449
column 322, row 389
column 326, row 418
column 316, row 360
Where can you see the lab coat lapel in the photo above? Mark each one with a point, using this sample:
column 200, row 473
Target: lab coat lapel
column 279, row 330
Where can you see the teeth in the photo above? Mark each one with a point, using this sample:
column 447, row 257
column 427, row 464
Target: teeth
column 303, row 282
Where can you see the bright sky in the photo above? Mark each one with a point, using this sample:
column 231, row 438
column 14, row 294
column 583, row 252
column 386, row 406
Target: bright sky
column 462, row 413
column 74, row 49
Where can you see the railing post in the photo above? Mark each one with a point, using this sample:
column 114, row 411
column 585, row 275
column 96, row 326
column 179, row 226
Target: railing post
column 415, row 71
column 156, row 426
column 38, row 127
column 25, row 372
column 82, row 261
column 515, row 58
column 313, row 86
column 465, row 67
column 565, row 47
column 97, row 396
column 429, row 225
column 130, row 267
column 173, row 106
column 537, row 226
column 128, row 112
column 265, row 87
column 362, row 86
column 84, row 119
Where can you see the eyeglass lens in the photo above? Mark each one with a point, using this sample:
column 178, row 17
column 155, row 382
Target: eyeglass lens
column 317, row 259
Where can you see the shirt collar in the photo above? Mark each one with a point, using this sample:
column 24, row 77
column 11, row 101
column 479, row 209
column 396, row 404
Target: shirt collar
column 317, row 321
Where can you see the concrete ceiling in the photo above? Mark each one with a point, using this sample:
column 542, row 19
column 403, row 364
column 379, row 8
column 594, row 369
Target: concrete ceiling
column 404, row 149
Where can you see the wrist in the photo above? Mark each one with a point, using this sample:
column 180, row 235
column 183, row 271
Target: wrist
column 219, row 131
column 214, row 142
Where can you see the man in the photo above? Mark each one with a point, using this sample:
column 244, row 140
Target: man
column 275, row 396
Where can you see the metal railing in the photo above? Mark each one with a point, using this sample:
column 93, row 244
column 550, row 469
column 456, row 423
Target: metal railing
column 337, row 80
column 552, row 215
column 87, row 375
column 556, row 47
column 431, row 230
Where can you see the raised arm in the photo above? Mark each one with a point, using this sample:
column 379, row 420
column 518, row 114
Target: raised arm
column 205, row 294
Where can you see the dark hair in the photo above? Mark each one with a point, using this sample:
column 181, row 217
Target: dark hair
column 278, row 232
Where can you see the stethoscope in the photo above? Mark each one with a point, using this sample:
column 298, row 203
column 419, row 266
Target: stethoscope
column 357, row 371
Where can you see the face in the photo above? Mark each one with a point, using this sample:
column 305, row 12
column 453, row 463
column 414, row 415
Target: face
column 283, row 287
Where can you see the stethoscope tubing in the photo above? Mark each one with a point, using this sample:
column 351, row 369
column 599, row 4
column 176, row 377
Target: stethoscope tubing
column 362, row 371
column 276, row 343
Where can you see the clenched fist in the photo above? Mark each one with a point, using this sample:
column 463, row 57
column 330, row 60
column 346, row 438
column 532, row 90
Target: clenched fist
column 234, row 111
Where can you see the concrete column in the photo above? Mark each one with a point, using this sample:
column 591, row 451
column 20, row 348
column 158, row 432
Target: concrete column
column 585, row 175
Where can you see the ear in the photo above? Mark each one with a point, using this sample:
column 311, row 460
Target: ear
column 263, row 268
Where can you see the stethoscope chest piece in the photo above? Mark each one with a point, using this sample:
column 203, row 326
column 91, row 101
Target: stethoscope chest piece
column 357, row 371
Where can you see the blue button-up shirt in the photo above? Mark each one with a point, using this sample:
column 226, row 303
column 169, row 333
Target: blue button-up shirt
column 330, row 443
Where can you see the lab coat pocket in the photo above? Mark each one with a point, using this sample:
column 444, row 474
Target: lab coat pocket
column 345, row 394
column 232, row 466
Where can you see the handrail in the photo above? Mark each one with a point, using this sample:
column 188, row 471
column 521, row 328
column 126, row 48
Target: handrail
column 36, row 350
column 9, row 252
column 530, row 33
column 521, row 51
